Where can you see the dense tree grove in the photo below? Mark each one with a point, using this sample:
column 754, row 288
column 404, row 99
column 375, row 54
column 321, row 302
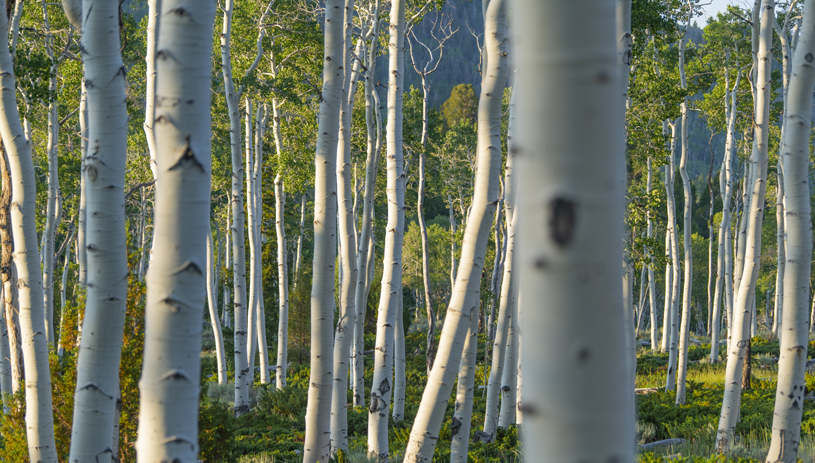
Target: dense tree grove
column 497, row 230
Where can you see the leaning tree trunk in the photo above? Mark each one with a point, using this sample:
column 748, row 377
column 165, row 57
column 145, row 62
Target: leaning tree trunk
column 381, row 386
column 176, row 282
column 321, row 379
column 213, row 314
column 511, row 375
column 39, row 418
column 571, row 206
column 243, row 374
column 789, row 399
column 464, row 301
column 97, row 383
column 746, row 295
column 463, row 410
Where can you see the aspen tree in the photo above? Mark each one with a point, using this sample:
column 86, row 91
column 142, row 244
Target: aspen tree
column 511, row 374
column 153, row 12
column 39, row 418
column 684, row 330
column 252, row 301
column 382, row 385
column 666, row 311
column 463, row 409
column 571, row 270
column 725, row 248
column 365, row 251
column 344, row 336
column 100, row 347
column 673, row 335
column 507, row 302
column 5, row 362
column 318, row 412
column 213, row 314
column 786, row 428
column 176, row 280
column 747, row 284
column 243, row 371
column 652, row 287
column 464, row 301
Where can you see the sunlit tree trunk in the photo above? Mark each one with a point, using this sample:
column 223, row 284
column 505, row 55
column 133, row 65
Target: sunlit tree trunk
column 260, row 308
column 243, row 375
column 176, row 282
column 100, row 347
column 382, row 386
column 666, row 311
column 321, row 379
column 251, row 210
column 153, row 11
column 282, row 261
column 464, row 301
column 744, row 301
column 781, row 252
column 51, row 214
column 5, row 363
column 344, row 335
column 789, row 399
column 673, row 322
column 510, row 396
column 8, row 272
column 652, row 287
column 39, row 418
column 571, row 233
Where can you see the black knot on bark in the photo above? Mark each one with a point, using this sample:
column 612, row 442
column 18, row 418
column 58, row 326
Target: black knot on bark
column 562, row 221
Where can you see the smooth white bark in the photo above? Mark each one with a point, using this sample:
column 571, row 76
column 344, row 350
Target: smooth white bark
column 176, row 281
column 213, row 314
column 39, row 418
column 745, row 299
column 570, row 233
column 318, row 413
column 100, row 347
column 789, row 406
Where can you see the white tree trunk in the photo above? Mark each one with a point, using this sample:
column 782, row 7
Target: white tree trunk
column 176, row 282
column 153, row 11
column 282, row 261
column 571, row 230
column 39, row 418
column 5, row 361
column 463, row 410
column 243, row 375
column 684, row 331
column 344, row 336
column 321, row 379
column 781, row 252
column 63, row 293
column 260, row 314
column 382, row 386
column 82, row 251
column 365, row 251
column 725, row 247
column 252, row 300
column 673, row 322
column 786, row 429
column 652, row 286
column 666, row 311
column 464, row 301
column 505, row 313
column 511, row 371
column 100, row 348
column 213, row 314
column 746, row 295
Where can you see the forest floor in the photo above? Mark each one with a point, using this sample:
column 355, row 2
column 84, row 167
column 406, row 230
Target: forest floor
column 275, row 428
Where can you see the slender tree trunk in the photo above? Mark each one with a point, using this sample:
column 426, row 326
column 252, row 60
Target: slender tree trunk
column 213, row 315
column 670, row 383
column 39, row 418
column 510, row 396
column 243, row 374
column 781, row 252
column 105, row 241
column 463, row 411
column 51, row 214
column 666, row 312
column 453, row 231
column 746, row 295
column 176, row 283
column 299, row 257
column 365, row 250
column 652, row 287
column 430, row 348
column 344, row 336
column 260, row 314
column 724, row 249
column 153, row 12
column 251, row 222
column 575, row 189
column 63, row 293
column 684, row 332
column 786, row 428
column 282, row 267
column 321, row 379
column 505, row 311
column 465, row 298
column 82, row 251
column 5, row 363
column 381, row 388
